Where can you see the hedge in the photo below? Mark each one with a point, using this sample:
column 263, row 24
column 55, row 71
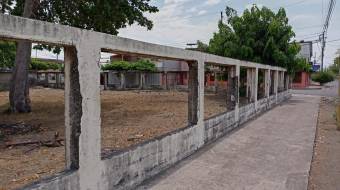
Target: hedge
column 141, row 65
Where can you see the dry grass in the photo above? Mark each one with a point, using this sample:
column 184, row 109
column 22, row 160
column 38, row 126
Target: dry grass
column 145, row 115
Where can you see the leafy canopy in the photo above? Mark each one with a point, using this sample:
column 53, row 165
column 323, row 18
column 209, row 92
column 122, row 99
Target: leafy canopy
column 323, row 77
column 44, row 65
column 140, row 65
column 105, row 16
column 7, row 54
column 335, row 66
column 259, row 35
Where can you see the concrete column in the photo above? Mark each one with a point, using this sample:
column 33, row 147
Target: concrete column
column 287, row 82
column 46, row 79
column 256, row 83
column 200, row 100
column 90, row 165
column 231, row 101
column 282, row 80
column 57, row 81
column 249, row 85
column 142, row 80
column 73, row 108
column 237, row 94
column 122, row 80
column 193, row 95
column 276, row 83
column 267, row 83
column 215, row 82
column 166, row 80
column 106, row 78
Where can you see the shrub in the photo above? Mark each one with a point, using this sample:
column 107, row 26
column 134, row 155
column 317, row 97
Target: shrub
column 43, row 65
column 323, row 77
column 141, row 65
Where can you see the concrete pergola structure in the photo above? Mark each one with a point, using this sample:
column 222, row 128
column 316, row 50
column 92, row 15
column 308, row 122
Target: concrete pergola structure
column 86, row 169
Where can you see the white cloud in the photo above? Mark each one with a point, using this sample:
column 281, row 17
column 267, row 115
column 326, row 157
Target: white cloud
column 212, row 2
column 192, row 9
column 202, row 12
column 173, row 25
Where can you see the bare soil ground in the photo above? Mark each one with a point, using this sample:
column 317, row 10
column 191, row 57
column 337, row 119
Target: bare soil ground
column 325, row 169
column 128, row 118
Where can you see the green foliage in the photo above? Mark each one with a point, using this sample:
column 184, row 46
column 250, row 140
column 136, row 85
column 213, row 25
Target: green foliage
column 7, row 58
column 7, row 54
column 6, row 6
column 44, row 65
column 301, row 64
column 323, row 77
column 259, row 35
column 141, row 65
column 99, row 15
column 105, row 16
column 336, row 66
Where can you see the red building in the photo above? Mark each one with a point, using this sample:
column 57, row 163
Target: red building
column 301, row 80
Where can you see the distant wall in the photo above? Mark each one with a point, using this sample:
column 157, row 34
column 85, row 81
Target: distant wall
column 301, row 80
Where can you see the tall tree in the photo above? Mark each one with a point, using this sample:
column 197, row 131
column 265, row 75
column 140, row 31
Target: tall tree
column 99, row 15
column 19, row 87
column 258, row 35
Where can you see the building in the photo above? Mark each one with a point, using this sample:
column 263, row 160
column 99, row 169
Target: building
column 306, row 51
column 169, row 74
column 302, row 79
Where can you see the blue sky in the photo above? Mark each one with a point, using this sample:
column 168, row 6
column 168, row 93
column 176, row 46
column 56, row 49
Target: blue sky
column 181, row 21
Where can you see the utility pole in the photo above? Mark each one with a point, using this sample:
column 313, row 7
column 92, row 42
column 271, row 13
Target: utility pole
column 323, row 46
column 221, row 16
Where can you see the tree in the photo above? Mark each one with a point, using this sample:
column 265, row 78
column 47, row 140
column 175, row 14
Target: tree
column 259, row 35
column 7, row 54
column 19, row 86
column 5, row 6
column 140, row 65
column 335, row 66
column 99, row 15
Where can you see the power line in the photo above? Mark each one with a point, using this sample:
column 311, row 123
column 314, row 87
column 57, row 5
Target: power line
column 323, row 36
column 292, row 4
column 310, row 35
column 308, row 27
column 336, row 40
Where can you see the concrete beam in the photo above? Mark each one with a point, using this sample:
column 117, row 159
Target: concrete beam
column 17, row 28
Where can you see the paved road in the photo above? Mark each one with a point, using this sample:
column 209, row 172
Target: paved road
column 330, row 89
column 272, row 152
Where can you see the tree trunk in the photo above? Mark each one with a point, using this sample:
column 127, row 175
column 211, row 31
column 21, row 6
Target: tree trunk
column 19, row 87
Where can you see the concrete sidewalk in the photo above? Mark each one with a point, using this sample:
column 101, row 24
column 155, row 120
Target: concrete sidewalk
column 273, row 152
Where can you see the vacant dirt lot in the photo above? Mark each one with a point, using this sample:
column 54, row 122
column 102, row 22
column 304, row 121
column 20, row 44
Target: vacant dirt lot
column 325, row 170
column 127, row 118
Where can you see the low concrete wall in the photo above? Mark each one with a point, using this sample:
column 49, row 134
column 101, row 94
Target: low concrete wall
column 128, row 168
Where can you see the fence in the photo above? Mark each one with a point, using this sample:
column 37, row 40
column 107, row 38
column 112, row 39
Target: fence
column 86, row 169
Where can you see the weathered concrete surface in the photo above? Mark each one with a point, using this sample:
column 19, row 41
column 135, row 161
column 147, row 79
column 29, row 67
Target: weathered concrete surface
column 271, row 152
column 130, row 167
